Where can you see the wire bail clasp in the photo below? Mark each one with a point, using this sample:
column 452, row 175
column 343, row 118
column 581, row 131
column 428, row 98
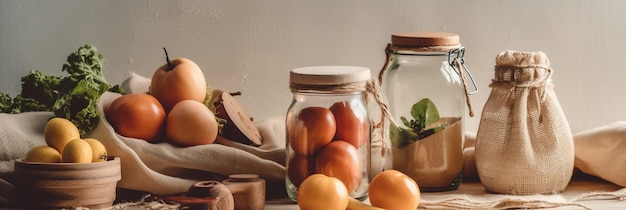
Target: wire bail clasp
column 457, row 61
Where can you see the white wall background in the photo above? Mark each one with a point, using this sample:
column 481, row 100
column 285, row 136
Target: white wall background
column 251, row 45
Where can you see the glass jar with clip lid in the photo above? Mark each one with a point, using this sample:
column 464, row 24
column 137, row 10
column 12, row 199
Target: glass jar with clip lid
column 426, row 84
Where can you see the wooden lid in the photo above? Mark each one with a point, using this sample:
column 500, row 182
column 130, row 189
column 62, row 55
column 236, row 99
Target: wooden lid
column 329, row 75
column 425, row 39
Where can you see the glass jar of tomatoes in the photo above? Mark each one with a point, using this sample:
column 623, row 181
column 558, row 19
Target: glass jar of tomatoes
column 328, row 127
column 425, row 81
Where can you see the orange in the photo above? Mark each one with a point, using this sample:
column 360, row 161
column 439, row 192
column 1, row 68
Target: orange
column 319, row 191
column 394, row 190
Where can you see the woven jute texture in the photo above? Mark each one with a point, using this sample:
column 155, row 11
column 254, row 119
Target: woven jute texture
column 524, row 144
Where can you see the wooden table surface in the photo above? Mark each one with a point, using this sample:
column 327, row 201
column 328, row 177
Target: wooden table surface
column 580, row 184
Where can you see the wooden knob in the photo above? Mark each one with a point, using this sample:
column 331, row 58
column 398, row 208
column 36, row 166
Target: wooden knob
column 213, row 189
column 248, row 191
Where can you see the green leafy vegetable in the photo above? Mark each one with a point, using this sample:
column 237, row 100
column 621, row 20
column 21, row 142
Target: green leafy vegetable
column 74, row 96
column 6, row 103
column 32, row 86
column 424, row 113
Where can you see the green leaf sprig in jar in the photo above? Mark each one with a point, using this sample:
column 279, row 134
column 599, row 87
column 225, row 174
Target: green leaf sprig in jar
column 423, row 124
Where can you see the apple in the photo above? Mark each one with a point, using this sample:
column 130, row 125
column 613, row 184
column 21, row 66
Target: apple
column 178, row 80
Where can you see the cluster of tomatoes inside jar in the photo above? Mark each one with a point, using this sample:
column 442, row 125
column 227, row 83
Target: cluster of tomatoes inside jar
column 327, row 141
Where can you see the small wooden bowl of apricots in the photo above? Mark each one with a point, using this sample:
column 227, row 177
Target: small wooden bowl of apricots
column 67, row 172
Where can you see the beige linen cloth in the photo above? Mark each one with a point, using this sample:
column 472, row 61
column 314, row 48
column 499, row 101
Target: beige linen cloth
column 160, row 168
column 165, row 169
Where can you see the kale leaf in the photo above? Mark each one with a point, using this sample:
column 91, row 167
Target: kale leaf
column 73, row 96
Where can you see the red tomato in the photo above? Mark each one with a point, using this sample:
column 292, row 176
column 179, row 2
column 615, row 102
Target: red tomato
column 341, row 160
column 351, row 127
column 394, row 190
column 136, row 115
column 313, row 128
column 300, row 167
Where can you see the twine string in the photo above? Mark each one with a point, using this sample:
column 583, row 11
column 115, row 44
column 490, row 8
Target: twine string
column 463, row 75
column 373, row 88
column 539, row 82
column 339, row 88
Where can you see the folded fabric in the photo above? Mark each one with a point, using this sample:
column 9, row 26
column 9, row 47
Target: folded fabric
column 19, row 133
column 601, row 152
column 156, row 168
column 165, row 169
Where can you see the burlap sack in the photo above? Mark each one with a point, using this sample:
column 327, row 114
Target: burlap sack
column 524, row 144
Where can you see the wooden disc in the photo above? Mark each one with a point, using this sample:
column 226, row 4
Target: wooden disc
column 239, row 126
column 425, row 39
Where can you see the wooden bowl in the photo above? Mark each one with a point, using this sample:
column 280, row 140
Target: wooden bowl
column 62, row 185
